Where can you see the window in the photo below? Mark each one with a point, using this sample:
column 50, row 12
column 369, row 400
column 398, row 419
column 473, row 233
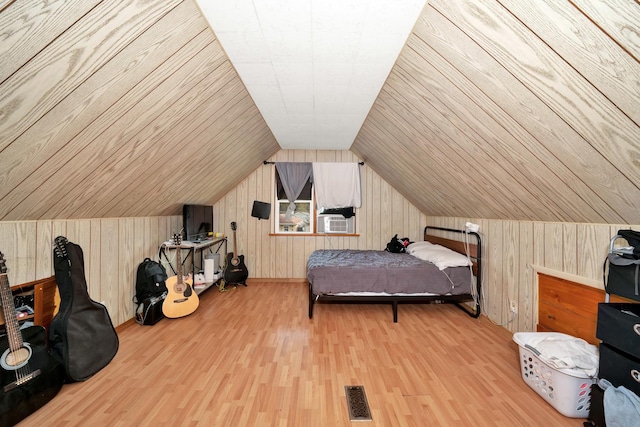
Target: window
column 297, row 217
column 302, row 216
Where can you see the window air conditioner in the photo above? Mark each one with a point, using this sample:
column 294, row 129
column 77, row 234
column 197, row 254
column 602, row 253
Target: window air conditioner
column 335, row 224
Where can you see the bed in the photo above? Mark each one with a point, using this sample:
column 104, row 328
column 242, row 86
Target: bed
column 452, row 274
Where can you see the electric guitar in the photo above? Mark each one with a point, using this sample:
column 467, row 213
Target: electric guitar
column 29, row 376
column 235, row 271
column 181, row 299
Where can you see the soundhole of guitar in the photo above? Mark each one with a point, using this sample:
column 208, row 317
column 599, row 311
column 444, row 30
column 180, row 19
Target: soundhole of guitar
column 12, row 360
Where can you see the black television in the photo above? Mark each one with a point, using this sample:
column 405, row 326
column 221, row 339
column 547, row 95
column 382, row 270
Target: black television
column 261, row 210
column 197, row 221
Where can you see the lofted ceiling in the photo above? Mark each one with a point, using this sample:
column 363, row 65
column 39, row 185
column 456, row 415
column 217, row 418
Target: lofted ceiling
column 493, row 109
column 313, row 67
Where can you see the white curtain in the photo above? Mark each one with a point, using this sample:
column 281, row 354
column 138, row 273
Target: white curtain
column 337, row 185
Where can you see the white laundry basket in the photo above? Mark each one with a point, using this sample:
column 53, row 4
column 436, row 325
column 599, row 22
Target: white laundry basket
column 567, row 390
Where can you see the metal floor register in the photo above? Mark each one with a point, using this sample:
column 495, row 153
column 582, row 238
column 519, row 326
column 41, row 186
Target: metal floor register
column 357, row 403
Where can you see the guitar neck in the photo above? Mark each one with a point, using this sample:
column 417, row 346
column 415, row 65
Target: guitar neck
column 235, row 248
column 178, row 242
column 9, row 311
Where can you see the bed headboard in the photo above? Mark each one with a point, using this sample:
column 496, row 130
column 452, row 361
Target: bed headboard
column 474, row 245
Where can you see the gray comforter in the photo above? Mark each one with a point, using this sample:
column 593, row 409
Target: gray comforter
column 345, row 270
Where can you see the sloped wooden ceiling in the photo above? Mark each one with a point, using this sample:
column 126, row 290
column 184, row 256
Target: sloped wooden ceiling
column 119, row 108
column 514, row 109
column 502, row 109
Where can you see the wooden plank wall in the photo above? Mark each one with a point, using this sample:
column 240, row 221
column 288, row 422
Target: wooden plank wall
column 112, row 249
column 514, row 251
column 384, row 213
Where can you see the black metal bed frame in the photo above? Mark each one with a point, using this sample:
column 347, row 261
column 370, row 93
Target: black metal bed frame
column 394, row 300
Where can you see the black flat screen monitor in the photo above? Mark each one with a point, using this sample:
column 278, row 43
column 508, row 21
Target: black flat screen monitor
column 197, row 221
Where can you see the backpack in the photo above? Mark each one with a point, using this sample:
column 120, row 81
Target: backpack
column 150, row 280
column 398, row 246
column 395, row 245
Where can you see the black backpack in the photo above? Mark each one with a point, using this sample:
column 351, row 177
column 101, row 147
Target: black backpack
column 398, row 246
column 150, row 280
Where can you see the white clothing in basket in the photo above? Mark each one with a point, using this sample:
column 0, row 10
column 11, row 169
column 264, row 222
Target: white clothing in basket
column 566, row 352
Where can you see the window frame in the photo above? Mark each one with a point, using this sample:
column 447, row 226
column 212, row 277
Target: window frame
column 313, row 214
column 285, row 202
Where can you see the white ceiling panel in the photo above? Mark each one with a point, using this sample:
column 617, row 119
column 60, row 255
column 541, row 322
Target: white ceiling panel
column 268, row 98
column 331, row 101
column 245, row 47
column 289, row 46
column 283, row 15
column 322, row 61
column 258, row 73
column 299, row 72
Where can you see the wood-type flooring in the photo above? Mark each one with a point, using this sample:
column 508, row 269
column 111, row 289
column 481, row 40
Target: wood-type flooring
column 252, row 357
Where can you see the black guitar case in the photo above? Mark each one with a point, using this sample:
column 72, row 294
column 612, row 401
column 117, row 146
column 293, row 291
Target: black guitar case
column 81, row 335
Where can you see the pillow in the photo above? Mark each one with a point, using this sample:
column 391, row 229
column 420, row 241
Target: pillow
column 417, row 245
column 440, row 256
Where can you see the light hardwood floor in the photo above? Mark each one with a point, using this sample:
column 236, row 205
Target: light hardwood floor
column 251, row 357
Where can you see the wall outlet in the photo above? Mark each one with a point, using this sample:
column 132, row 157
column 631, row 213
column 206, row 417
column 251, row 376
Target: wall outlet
column 513, row 307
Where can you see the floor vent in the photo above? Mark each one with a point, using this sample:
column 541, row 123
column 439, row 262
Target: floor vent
column 357, row 403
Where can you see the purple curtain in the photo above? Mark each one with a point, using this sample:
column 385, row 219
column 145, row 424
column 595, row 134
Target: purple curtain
column 294, row 176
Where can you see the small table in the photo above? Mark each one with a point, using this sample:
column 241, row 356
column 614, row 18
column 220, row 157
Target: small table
column 193, row 247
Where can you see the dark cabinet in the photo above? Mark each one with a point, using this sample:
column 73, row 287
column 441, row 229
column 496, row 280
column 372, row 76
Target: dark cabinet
column 619, row 329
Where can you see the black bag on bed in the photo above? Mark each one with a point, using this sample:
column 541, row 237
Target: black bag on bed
column 395, row 245
column 398, row 246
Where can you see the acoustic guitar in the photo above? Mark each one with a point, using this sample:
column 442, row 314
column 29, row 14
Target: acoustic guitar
column 29, row 376
column 181, row 299
column 235, row 271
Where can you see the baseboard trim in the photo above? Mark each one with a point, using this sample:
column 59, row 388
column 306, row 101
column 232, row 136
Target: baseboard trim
column 275, row 280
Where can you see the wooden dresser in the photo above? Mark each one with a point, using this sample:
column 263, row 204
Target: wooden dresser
column 44, row 295
column 569, row 307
